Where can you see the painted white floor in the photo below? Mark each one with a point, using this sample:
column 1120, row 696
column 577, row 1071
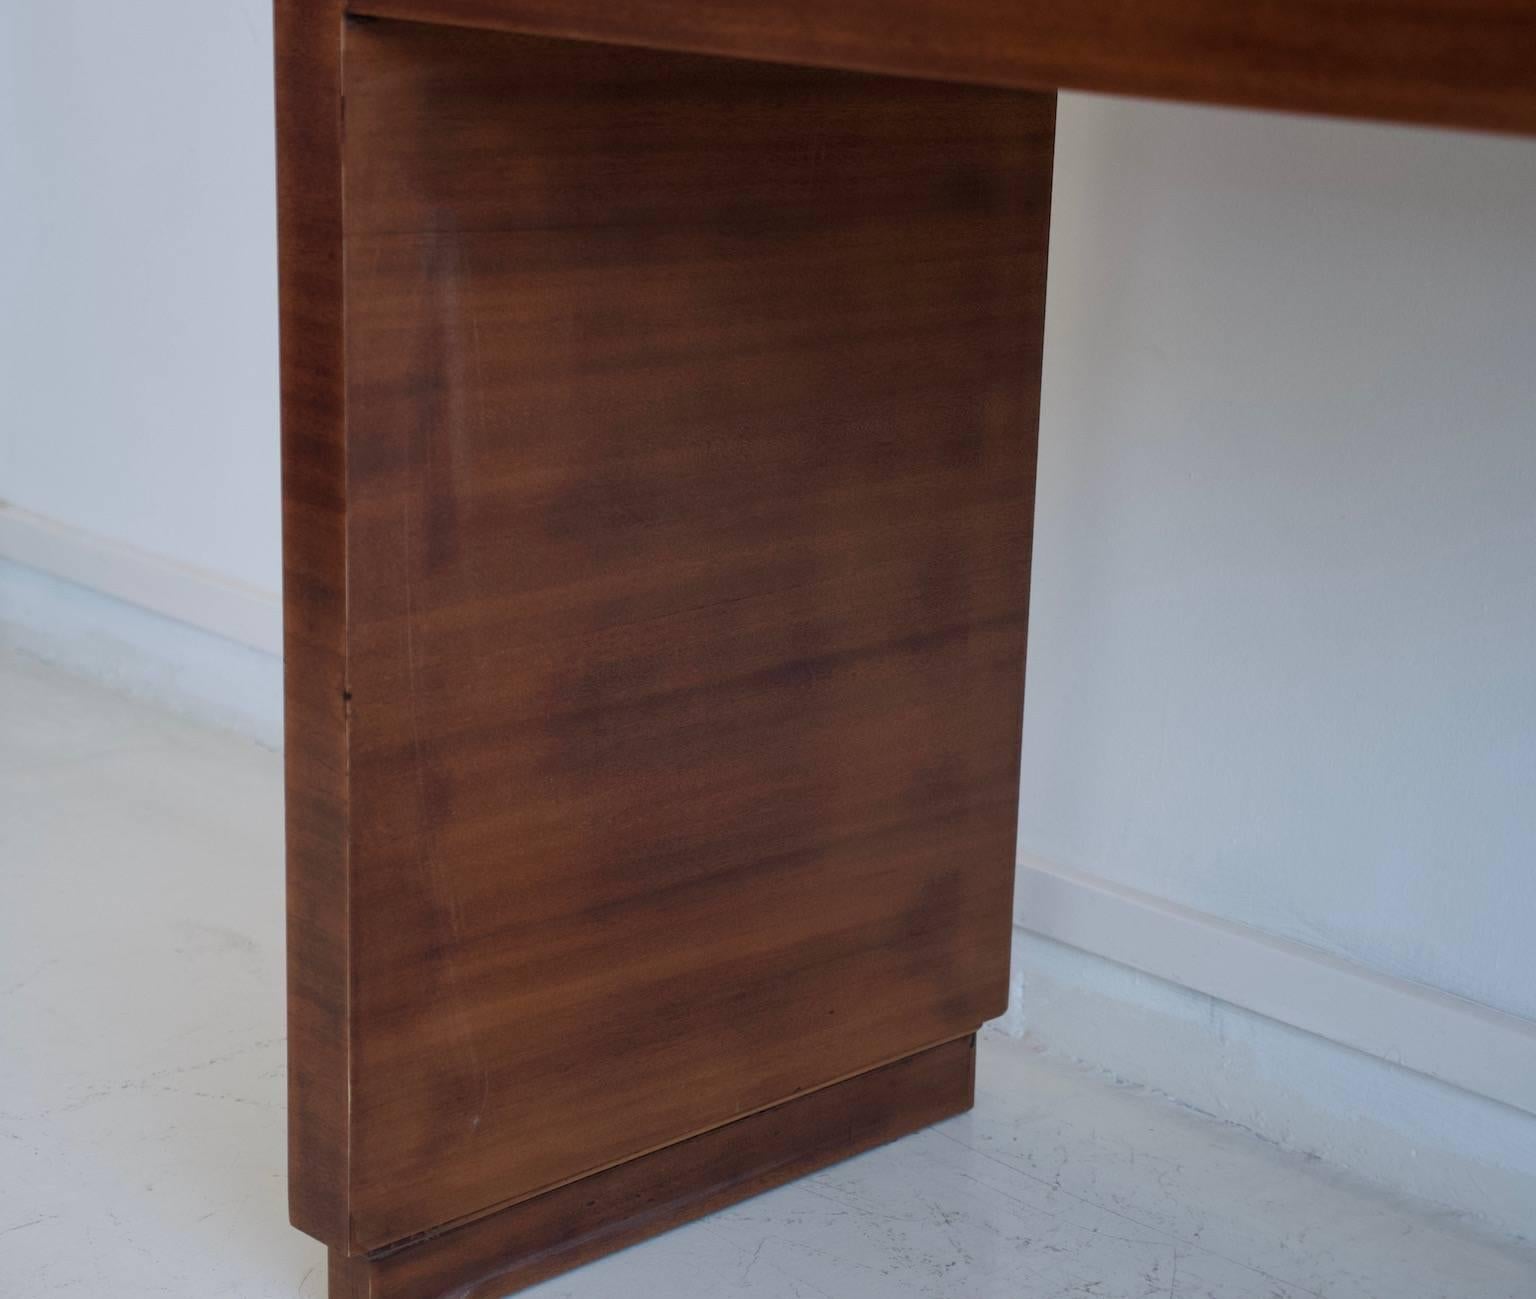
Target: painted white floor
column 141, row 1097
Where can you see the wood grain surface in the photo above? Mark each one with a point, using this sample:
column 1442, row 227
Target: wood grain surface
column 310, row 226
column 690, row 468
column 1465, row 63
column 552, row 1233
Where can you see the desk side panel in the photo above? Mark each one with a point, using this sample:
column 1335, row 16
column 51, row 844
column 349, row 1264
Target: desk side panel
column 692, row 414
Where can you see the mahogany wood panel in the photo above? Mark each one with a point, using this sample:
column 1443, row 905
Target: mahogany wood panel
column 309, row 53
column 545, row 1236
column 669, row 559
column 1452, row 62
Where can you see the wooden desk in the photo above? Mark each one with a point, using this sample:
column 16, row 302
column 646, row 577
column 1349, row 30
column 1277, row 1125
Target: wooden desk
column 660, row 396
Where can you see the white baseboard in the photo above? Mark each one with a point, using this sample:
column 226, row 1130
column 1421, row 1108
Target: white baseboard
column 206, row 600
column 166, row 661
column 1467, row 1045
column 1371, row 1120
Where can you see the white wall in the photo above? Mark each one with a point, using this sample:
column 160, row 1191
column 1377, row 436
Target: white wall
column 138, row 314
column 1283, row 643
column 1283, row 658
column 1282, row 678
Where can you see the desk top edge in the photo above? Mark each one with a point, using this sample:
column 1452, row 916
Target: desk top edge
column 1429, row 62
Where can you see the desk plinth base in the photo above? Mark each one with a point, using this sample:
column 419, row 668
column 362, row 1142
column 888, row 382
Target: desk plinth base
column 540, row 1238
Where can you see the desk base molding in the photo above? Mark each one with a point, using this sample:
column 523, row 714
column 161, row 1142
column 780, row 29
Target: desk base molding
column 584, row 1220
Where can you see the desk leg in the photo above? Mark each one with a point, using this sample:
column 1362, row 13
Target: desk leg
column 659, row 471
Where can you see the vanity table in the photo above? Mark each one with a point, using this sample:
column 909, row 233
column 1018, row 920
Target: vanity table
column 660, row 393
